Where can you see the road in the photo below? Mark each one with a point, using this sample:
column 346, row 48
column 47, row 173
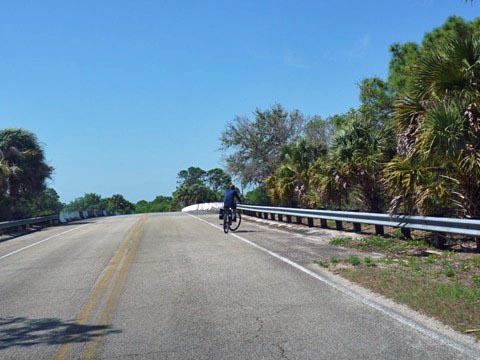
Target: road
column 173, row 286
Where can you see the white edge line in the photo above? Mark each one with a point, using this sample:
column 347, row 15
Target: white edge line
column 356, row 296
column 39, row 242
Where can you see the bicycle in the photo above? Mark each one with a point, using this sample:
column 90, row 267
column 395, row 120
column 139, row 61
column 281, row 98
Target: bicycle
column 231, row 220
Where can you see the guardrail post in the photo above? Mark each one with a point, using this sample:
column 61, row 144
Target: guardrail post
column 299, row 220
column 338, row 225
column 310, row 222
column 272, row 216
column 258, row 215
column 265, row 216
column 439, row 240
column 379, row 230
column 280, row 217
column 289, row 219
column 323, row 224
column 406, row 232
column 357, row 227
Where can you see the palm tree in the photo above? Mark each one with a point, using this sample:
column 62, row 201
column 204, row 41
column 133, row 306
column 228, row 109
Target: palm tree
column 360, row 150
column 281, row 184
column 327, row 181
column 289, row 184
column 439, row 124
column 24, row 168
column 194, row 194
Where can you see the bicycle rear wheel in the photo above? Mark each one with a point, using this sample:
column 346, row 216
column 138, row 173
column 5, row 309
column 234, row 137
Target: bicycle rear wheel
column 235, row 225
column 226, row 225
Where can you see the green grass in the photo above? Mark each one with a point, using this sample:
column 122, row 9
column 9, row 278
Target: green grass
column 456, row 292
column 379, row 243
column 413, row 263
column 376, row 242
column 397, row 233
column 449, row 272
column 475, row 262
column 353, row 260
column 445, row 286
column 331, row 223
column 341, row 241
column 476, row 280
column 431, row 259
column 452, row 303
column 321, row 263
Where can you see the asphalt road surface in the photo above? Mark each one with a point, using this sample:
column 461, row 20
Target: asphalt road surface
column 174, row 286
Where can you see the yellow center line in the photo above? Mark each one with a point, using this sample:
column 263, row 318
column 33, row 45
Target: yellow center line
column 92, row 349
column 101, row 285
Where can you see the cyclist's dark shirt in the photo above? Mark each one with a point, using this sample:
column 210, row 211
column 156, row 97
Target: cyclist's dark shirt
column 229, row 200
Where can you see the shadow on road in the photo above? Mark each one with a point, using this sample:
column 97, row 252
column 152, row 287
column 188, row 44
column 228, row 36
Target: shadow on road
column 248, row 231
column 25, row 332
column 5, row 236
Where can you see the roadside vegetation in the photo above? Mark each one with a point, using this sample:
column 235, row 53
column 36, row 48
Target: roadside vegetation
column 23, row 175
column 441, row 284
column 24, row 193
column 412, row 146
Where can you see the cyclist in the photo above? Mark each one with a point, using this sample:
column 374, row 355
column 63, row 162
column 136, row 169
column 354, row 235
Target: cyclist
column 229, row 199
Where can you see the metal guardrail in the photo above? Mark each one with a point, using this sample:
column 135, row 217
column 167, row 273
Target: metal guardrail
column 32, row 221
column 437, row 225
column 53, row 219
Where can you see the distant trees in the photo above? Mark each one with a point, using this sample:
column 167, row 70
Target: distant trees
column 91, row 201
column 159, row 204
column 196, row 185
column 255, row 146
column 118, row 204
column 258, row 196
column 46, row 203
column 218, row 180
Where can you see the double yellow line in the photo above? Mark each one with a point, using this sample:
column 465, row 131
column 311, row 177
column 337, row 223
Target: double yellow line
column 106, row 292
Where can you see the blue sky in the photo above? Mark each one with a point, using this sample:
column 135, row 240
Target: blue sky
column 125, row 94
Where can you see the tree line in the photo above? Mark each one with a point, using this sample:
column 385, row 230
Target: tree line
column 24, row 172
column 24, row 193
column 194, row 185
column 412, row 146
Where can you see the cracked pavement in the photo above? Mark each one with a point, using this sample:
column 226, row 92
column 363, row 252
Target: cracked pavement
column 192, row 292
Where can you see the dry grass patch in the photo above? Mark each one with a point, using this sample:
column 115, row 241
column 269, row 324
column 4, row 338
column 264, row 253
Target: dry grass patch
column 443, row 285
